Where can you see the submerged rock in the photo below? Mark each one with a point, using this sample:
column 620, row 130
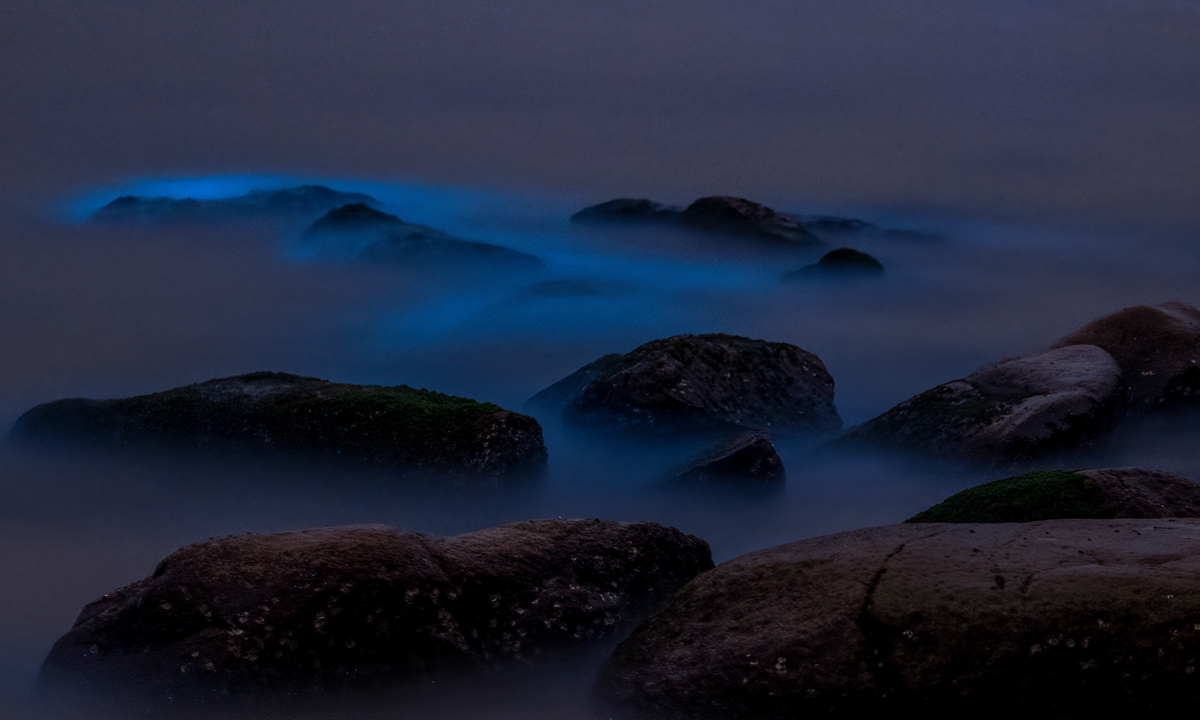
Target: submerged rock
column 699, row 383
column 1058, row 494
column 626, row 210
column 348, row 606
column 1014, row 410
column 746, row 459
column 361, row 231
column 396, row 428
column 1063, row 618
column 737, row 216
column 307, row 200
column 843, row 262
column 1157, row 347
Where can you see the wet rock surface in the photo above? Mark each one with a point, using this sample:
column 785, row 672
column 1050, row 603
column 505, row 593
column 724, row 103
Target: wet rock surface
column 1014, row 410
column 1157, row 347
column 361, row 605
column 304, row 200
column 365, row 233
column 843, row 262
column 702, row 384
column 737, row 216
column 1063, row 618
column 747, row 459
column 396, row 428
column 1055, row 494
column 624, row 211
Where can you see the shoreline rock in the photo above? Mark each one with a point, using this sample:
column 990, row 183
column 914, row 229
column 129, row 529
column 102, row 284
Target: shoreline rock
column 398, row 428
column 354, row 606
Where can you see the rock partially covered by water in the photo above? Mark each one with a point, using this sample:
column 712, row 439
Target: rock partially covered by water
column 748, row 459
column 1063, row 618
column 301, row 201
column 843, row 262
column 626, row 210
column 699, row 384
column 349, row 606
column 1157, row 347
column 359, row 230
column 737, row 216
column 395, row 428
column 1060, row 494
column 1014, row 410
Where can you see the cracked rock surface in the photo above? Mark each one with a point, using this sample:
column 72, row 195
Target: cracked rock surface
column 348, row 606
column 1093, row 618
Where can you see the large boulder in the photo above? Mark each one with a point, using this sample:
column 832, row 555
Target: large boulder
column 699, row 384
column 400, row 429
column 1014, row 410
column 348, row 606
column 1063, row 618
column 1157, row 347
column 737, row 216
column 1056, row 494
column 359, row 230
column 744, row 460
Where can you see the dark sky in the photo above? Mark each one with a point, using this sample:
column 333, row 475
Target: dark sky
column 1077, row 111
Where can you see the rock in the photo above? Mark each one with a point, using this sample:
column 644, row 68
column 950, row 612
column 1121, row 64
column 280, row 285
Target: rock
column 1014, row 410
column 398, row 428
column 701, row 384
column 843, row 262
column 1057, row 494
column 361, row 231
column 1157, row 347
column 736, row 216
column 746, row 459
column 1062, row 618
column 304, row 200
column 358, row 605
column 625, row 210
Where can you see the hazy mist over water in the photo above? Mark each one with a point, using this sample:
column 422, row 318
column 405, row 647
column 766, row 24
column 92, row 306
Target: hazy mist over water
column 1049, row 146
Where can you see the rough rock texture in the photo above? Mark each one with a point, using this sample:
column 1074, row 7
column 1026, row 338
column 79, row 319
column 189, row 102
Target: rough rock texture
column 1056, row 494
column 626, row 210
column 842, row 262
column 1157, row 347
column 700, row 383
column 737, row 216
column 307, row 200
column 1079, row 618
column 356, row 605
column 746, row 459
column 399, row 428
column 375, row 236
column 1014, row 410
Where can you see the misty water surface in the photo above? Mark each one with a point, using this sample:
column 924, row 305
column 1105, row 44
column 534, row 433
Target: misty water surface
column 1050, row 147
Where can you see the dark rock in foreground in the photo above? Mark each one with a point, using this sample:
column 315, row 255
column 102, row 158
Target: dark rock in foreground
column 307, row 200
column 736, row 216
column 1061, row 494
column 359, row 605
column 358, row 230
column 746, row 460
column 1064, row 618
column 843, row 262
column 1157, row 347
column 1014, row 410
column 395, row 428
column 626, row 210
column 699, row 384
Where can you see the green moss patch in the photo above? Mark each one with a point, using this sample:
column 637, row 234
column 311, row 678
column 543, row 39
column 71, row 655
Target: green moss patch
column 1040, row 495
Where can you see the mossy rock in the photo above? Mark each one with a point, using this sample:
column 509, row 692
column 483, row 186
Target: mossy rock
column 398, row 428
column 1067, row 494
